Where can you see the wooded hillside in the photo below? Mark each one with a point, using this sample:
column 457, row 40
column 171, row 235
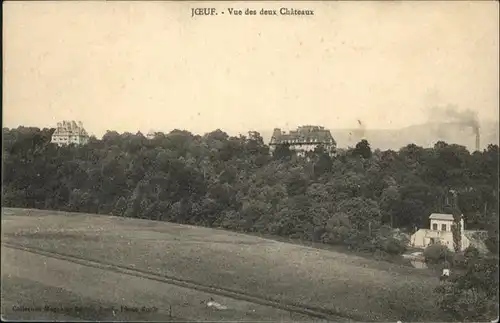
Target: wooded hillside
column 233, row 182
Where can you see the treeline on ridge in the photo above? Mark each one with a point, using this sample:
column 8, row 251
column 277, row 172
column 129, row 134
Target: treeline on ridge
column 215, row 180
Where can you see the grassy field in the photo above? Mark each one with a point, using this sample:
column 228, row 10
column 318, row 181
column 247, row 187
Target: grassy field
column 350, row 285
column 33, row 281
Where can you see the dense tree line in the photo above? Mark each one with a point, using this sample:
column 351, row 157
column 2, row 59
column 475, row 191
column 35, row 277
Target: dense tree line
column 235, row 183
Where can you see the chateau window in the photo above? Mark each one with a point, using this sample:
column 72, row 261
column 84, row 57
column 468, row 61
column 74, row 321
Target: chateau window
column 434, row 226
column 443, row 227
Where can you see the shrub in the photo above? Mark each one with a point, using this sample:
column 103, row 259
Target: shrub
column 459, row 260
column 390, row 242
column 394, row 246
column 471, row 252
column 492, row 244
column 473, row 294
column 435, row 254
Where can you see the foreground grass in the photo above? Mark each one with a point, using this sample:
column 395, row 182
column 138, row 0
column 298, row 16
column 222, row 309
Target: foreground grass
column 36, row 281
column 350, row 285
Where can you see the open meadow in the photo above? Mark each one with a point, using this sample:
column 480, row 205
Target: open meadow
column 341, row 284
column 39, row 287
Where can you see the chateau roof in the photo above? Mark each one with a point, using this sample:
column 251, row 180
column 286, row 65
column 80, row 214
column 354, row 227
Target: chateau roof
column 70, row 128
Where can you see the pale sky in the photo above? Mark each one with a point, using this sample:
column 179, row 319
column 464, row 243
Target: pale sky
column 131, row 66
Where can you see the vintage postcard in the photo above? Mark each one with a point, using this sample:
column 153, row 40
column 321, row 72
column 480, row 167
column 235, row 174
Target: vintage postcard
column 266, row 161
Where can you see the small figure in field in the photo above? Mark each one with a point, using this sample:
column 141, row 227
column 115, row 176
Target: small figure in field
column 446, row 274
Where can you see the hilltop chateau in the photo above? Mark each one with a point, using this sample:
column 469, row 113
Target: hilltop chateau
column 70, row 132
column 304, row 139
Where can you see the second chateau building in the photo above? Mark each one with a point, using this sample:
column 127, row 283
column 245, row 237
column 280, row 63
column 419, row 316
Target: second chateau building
column 304, row 139
column 70, row 132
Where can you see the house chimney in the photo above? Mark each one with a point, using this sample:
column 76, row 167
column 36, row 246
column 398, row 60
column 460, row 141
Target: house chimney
column 478, row 141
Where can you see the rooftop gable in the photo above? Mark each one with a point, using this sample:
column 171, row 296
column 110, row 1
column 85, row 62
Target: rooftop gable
column 441, row 216
column 66, row 128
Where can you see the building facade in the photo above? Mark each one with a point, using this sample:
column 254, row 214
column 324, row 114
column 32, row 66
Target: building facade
column 70, row 132
column 440, row 233
column 304, row 139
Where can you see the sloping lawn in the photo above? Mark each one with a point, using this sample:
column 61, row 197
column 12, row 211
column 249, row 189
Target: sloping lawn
column 349, row 285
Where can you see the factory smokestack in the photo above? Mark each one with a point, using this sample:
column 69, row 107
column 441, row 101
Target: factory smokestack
column 478, row 141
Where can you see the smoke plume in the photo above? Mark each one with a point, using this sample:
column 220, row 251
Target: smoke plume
column 451, row 115
column 466, row 118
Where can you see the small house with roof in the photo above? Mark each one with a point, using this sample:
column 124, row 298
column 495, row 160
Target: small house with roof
column 440, row 232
